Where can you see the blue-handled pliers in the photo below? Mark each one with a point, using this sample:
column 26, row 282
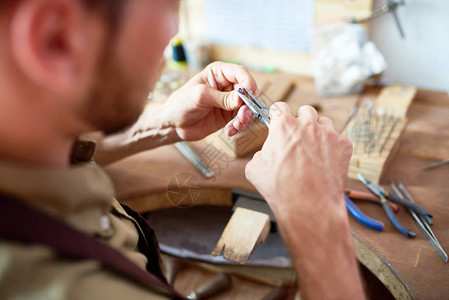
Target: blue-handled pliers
column 361, row 217
column 351, row 194
column 383, row 195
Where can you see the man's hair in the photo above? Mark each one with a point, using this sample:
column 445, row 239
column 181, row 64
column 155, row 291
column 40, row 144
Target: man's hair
column 109, row 9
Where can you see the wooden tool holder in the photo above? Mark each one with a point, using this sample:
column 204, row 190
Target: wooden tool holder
column 376, row 129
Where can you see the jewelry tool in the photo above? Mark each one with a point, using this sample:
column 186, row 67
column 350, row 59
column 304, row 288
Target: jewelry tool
column 422, row 224
column 258, row 108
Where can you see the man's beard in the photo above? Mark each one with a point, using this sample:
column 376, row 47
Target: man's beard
column 116, row 99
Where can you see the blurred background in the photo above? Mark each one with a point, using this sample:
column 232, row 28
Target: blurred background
column 270, row 34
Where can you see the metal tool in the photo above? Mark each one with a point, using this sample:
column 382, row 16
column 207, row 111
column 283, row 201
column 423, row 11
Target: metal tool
column 390, row 6
column 213, row 287
column 367, row 197
column 437, row 165
column 393, row 6
column 194, row 159
column 351, row 194
column 383, row 196
column 409, row 197
column 381, row 193
column 371, row 129
column 387, row 138
column 361, row 217
column 423, row 226
column 259, row 109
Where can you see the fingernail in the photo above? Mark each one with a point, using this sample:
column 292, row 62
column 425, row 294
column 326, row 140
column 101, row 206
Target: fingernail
column 231, row 130
column 249, row 114
column 236, row 124
column 236, row 100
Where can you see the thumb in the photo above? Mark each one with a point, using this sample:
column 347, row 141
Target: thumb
column 229, row 100
column 279, row 110
column 225, row 100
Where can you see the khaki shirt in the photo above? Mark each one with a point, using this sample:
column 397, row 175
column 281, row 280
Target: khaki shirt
column 83, row 196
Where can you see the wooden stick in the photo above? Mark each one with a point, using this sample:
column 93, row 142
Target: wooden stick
column 244, row 232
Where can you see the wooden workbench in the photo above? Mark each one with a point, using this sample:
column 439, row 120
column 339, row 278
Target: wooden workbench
column 409, row 268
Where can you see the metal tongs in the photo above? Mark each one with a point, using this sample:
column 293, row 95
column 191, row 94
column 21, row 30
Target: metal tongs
column 384, row 195
column 422, row 223
column 259, row 109
column 389, row 7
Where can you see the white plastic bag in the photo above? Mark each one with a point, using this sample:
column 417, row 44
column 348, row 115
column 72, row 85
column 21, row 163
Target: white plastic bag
column 343, row 58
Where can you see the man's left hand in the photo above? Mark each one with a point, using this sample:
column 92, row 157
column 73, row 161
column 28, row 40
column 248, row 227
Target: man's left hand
column 209, row 101
column 203, row 105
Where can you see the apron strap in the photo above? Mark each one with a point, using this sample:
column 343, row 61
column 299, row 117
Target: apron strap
column 24, row 224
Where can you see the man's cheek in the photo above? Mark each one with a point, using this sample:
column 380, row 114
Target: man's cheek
column 170, row 27
column 164, row 21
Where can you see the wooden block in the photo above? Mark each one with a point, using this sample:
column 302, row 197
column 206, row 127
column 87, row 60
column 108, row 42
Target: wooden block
column 242, row 143
column 336, row 108
column 376, row 132
column 278, row 89
column 396, row 99
column 262, row 80
column 244, row 232
column 372, row 164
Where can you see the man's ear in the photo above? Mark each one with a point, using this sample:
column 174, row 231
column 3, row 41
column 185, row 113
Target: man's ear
column 49, row 42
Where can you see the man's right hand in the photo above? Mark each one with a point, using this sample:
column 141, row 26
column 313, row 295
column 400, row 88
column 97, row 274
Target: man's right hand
column 302, row 160
column 301, row 171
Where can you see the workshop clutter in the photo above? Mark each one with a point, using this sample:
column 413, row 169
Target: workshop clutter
column 344, row 58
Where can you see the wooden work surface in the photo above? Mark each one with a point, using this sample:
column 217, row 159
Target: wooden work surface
column 410, row 268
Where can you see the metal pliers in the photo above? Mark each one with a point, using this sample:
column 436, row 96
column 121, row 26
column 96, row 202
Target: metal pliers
column 383, row 195
column 259, row 109
column 351, row 194
column 361, row 217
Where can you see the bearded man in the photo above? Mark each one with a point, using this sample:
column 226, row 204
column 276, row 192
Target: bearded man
column 74, row 66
